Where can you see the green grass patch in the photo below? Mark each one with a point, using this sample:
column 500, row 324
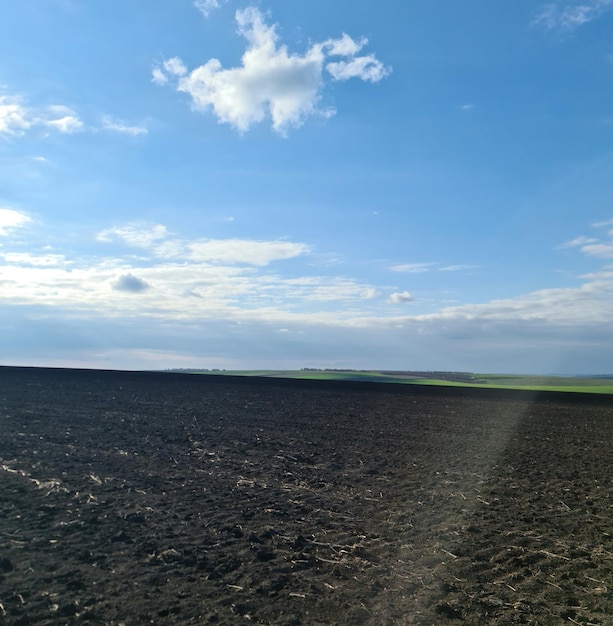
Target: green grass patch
column 574, row 384
column 603, row 388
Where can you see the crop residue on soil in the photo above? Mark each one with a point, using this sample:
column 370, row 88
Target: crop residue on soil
column 142, row 498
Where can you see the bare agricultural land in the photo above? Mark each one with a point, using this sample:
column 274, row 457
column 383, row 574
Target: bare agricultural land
column 149, row 498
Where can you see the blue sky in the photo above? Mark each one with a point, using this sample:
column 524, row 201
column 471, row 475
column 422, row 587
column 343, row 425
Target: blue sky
column 274, row 184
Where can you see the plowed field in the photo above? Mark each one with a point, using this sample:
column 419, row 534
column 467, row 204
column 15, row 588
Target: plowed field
column 143, row 498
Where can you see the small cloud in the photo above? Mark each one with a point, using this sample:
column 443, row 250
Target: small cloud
column 13, row 116
column 578, row 242
column 601, row 250
column 138, row 234
column 68, row 122
column 345, row 46
column 412, row 268
column 400, row 297
column 39, row 159
column 369, row 293
column 270, row 82
column 131, row 284
column 602, row 224
column 207, row 6
column 282, row 331
column 118, row 126
column 367, row 68
column 244, row 251
column 593, row 246
column 16, row 118
column 467, row 107
column 456, row 268
column 175, row 67
column 171, row 68
column 156, row 237
column 10, row 219
column 158, row 77
column 567, row 16
column 44, row 260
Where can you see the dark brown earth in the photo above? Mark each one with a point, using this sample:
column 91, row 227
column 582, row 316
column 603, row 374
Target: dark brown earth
column 132, row 498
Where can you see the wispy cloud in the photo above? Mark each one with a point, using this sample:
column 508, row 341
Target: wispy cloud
column 420, row 268
column 603, row 250
column 603, row 223
column 18, row 117
column 577, row 242
column 567, row 16
column 118, row 126
column 61, row 118
column 413, row 268
column 270, row 82
column 400, row 297
column 590, row 303
column 139, row 234
column 11, row 219
column 157, row 239
column 206, row 7
column 457, row 268
column 601, row 247
column 14, row 117
column 36, row 260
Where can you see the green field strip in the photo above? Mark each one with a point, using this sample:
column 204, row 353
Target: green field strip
column 606, row 389
column 481, row 381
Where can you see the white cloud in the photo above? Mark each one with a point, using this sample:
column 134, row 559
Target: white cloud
column 228, row 294
column 567, row 16
column 117, row 126
column 175, row 67
column 10, row 219
column 590, row 303
column 139, row 234
column 16, row 118
column 578, row 241
column 601, row 224
column 206, row 7
column 13, row 116
column 367, row 68
column 157, row 239
column 270, row 82
column 68, row 124
column 400, row 297
column 592, row 246
column 601, row 250
column 456, row 268
column 158, row 76
column 412, row 268
column 38, row 260
column 369, row 293
column 244, row 251
column 62, row 119
column 345, row 46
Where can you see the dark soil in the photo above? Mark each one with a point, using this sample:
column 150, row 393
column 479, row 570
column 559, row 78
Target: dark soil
column 134, row 498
